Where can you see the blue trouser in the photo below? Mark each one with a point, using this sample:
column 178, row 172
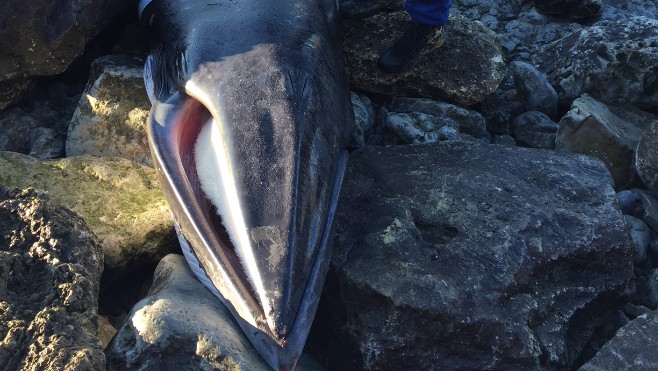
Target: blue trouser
column 432, row 12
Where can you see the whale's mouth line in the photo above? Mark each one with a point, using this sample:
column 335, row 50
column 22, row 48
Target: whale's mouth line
column 188, row 126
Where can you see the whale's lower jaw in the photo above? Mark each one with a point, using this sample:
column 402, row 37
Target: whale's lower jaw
column 282, row 354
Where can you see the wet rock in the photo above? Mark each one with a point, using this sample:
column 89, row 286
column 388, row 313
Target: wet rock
column 50, row 268
column 111, row 118
column 456, row 255
column 641, row 235
column 646, row 158
column 609, row 133
column 364, row 120
column 633, row 347
column 467, row 68
column 534, row 129
column 614, row 61
column 535, row 91
column 43, row 37
column 572, row 9
column 120, row 200
column 181, row 323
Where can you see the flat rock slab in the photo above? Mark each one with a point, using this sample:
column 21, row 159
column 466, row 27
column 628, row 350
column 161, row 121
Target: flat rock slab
column 634, row 347
column 181, row 324
column 464, row 256
column 120, row 200
column 467, row 68
column 50, row 268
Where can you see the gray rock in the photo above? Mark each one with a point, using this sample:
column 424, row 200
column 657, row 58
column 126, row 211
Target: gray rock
column 633, row 347
column 111, row 118
column 365, row 8
column 571, row 9
column 15, row 128
column 652, row 284
column 455, row 255
column 417, row 128
column 180, row 323
column 504, row 140
column 653, row 246
column 467, row 68
column 45, row 143
column 640, row 204
column 42, row 37
column 533, row 87
column 641, row 235
column 609, row 133
column 364, row 120
column 50, row 268
column 646, row 158
column 534, row 129
column 614, row 61
column 466, row 121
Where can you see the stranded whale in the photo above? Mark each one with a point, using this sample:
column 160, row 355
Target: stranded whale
column 250, row 120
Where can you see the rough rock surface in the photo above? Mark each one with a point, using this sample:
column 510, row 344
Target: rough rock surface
column 614, row 61
column 572, row 9
column 181, row 324
column 455, row 255
column 533, row 87
column 646, row 158
column 640, row 204
column 111, row 118
column 42, row 37
column 120, row 200
column 467, row 68
column 534, row 129
column 364, row 120
column 641, row 236
column 50, row 268
column 633, row 347
column 609, row 133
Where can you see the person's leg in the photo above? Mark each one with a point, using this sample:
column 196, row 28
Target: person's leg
column 431, row 12
column 423, row 34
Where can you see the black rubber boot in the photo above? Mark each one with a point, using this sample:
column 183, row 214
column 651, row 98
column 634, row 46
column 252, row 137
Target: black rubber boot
column 417, row 40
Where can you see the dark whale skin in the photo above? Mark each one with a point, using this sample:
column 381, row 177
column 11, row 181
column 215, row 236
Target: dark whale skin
column 270, row 75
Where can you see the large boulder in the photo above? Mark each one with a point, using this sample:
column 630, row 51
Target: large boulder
column 609, row 133
column 614, row 61
column 50, row 268
column 633, row 347
column 41, row 37
column 120, row 200
column 180, row 323
column 461, row 256
column 467, row 68
column 111, row 117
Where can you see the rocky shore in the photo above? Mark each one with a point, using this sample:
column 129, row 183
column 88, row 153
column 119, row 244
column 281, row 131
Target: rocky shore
column 500, row 210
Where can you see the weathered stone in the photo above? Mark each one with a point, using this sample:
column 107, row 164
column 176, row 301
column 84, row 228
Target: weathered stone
column 365, row 8
column 614, row 61
column 105, row 331
column 466, row 121
column 609, row 133
column 646, row 158
column 456, row 255
column 652, row 284
column 364, row 120
column 640, row 204
column 120, row 200
column 50, row 268
column 653, row 246
column 534, row 129
column 12, row 89
column 111, row 117
column 181, row 323
column 572, row 9
column 41, row 37
column 467, row 68
column 15, row 128
column 533, row 87
column 641, row 236
column 633, row 347
column 497, row 113
column 45, row 143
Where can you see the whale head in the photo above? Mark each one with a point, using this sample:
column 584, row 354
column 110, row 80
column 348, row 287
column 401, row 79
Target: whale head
column 250, row 120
